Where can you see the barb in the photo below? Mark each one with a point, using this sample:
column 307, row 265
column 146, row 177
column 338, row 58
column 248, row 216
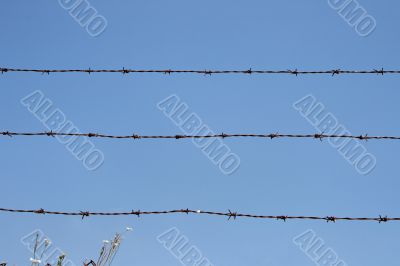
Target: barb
column 222, row 135
column 230, row 214
column 250, row 71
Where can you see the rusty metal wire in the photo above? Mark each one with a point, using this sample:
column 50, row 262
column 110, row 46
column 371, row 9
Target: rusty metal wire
column 230, row 214
column 222, row 135
column 250, row 71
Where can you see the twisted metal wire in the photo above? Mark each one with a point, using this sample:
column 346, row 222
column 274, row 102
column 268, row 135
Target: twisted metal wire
column 230, row 214
column 204, row 72
column 222, row 135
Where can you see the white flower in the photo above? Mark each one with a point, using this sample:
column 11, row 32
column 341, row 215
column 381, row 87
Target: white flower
column 35, row 261
column 129, row 229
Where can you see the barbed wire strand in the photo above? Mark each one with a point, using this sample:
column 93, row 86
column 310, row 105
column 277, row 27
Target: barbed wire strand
column 230, row 214
column 249, row 71
column 222, row 135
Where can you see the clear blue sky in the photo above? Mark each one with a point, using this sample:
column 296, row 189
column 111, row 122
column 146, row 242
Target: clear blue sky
column 284, row 176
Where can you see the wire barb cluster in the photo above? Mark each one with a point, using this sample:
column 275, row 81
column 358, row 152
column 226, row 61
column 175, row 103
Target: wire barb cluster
column 222, row 135
column 204, row 72
column 230, row 214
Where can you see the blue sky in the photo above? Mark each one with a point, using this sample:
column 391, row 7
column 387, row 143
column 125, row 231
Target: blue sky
column 283, row 176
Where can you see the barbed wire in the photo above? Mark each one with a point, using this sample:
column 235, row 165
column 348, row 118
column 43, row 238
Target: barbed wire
column 249, row 71
column 230, row 214
column 222, row 135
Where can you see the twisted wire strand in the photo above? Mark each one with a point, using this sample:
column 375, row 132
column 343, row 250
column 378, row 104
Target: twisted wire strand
column 230, row 214
column 222, row 135
column 204, row 72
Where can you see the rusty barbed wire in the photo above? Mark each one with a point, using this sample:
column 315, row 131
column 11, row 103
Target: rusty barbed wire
column 249, row 71
column 222, row 135
column 230, row 215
